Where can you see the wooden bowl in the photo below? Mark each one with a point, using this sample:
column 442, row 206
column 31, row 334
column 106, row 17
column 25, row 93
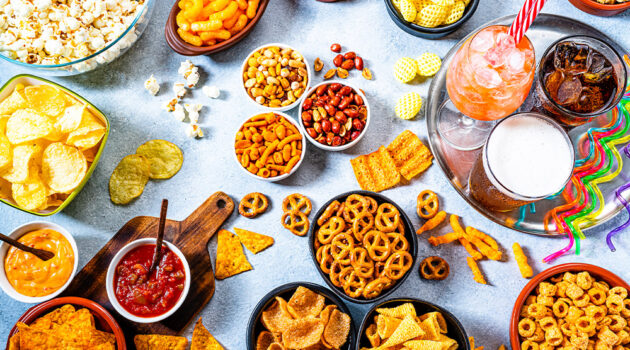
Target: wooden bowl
column 595, row 271
column 183, row 48
column 597, row 9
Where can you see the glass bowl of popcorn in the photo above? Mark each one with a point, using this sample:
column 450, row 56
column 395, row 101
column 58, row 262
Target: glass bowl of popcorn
column 69, row 37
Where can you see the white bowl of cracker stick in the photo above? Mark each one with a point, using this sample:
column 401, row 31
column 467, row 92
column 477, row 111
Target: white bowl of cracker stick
column 269, row 146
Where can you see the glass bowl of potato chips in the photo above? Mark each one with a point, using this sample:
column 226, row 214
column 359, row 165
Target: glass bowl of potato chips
column 51, row 140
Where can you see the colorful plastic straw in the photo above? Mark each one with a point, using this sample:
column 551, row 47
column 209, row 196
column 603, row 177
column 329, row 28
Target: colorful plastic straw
column 623, row 201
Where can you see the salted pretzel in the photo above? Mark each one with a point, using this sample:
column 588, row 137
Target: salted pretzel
column 377, row 245
column 253, row 204
column 324, row 257
column 362, row 224
column 330, row 229
column 387, row 218
column 427, row 204
column 360, row 260
column 330, row 211
column 335, row 271
column 353, row 284
column 297, row 202
column 375, row 287
column 372, row 204
column 434, row 268
column 354, row 205
column 341, row 246
column 398, row 264
column 398, row 242
column 296, row 222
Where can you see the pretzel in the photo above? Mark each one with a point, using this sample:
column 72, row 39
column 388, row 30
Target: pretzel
column 330, row 210
column 296, row 222
column 434, row 268
column 397, row 241
column 341, row 246
column 375, row 287
column 372, row 205
column 362, row 224
column 360, row 260
column 427, row 204
column 398, row 264
column 253, row 204
column 353, row 284
column 297, row 202
column 330, row 229
column 387, row 218
column 336, row 269
column 353, row 206
column 324, row 257
column 377, row 245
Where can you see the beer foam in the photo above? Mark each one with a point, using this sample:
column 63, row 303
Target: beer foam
column 530, row 156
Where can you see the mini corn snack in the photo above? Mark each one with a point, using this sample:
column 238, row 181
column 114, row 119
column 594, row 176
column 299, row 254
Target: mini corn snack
column 456, row 12
column 431, row 13
column 405, row 69
column 432, row 16
column 408, row 105
column 407, row 10
column 428, row 64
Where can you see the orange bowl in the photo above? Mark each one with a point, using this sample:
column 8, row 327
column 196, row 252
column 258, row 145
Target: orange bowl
column 596, row 271
column 103, row 319
column 597, row 9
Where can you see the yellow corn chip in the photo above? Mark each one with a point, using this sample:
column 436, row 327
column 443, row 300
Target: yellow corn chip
column 202, row 339
column 439, row 318
column 424, row 345
column 407, row 330
column 386, row 325
column 408, row 105
column 159, row 342
column 405, row 69
column 410, row 155
column 431, row 16
column 456, row 12
column 428, row 64
column 376, row 171
column 431, row 328
column 230, row 257
column 254, row 242
column 407, row 10
column 400, row 311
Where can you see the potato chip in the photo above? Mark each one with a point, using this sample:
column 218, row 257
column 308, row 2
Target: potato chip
column 254, row 242
column 276, row 318
column 428, row 64
column 431, row 16
column 88, row 134
column 337, row 330
column 411, row 157
column 63, row 167
column 386, row 325
column 5, row 189
column 5, row 146
column 405, row 69
column 407, row 10
column 305, row 303
column 159, row 342
column 400, row 311
column 264, row 340
column 30, row 195
column 71, row 118
column 407, row 330
column 231, row 259
column 22, row 156
column 45, row 99
column 408, row 105
column 202, row 339
column 166, row 159
column 302, row 333
column 376, row 171
column 12, row 103
column 456, row 12
column 90, row 153
column 27, row 125
column 128, row 179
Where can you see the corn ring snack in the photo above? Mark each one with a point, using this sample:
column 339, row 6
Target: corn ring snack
column 521, row 260
column 405, row 69
column 428, row 64
column 432, row 223
column 477, row 275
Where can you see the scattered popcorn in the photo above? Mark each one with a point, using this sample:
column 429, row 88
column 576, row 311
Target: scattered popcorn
column 190, row 72
column 193, row 130
column 178, row 112
column 192, row 79
column 193, row 112
column 179, row 89
column 211, row 91
column 170, row 105
column 152, row 85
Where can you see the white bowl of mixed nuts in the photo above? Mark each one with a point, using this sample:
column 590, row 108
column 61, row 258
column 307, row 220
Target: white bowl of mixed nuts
column 334, row 115
column 276, row 76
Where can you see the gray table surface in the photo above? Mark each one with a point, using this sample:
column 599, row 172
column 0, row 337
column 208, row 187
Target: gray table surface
column 310, row 26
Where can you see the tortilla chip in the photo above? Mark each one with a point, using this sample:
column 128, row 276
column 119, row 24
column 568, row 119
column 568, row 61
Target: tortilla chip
column 303, row 333
column 254, row 242
column 277, row 318
column 159, row 342
column 425, row 345
column 58, row 316
column 375, row 171
column 35, row 339
column 407, row 330
column 305, row 302
column 400, row 311
column 202, row 339
column 410, row 155
column 99, row 338
column 231, row 259
column 337, row 330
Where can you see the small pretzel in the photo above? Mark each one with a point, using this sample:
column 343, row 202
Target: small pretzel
column 330, row 211
column 375, row 287
column 296, row 222
column 330, row 229
column 297, row 202
column 325, row 259
column 377, row 245
column 398, row 241
column 360, row 260
column 362, row 224
column 335, row 271
column 354, row 205
column 398, row 264
column 434, row 268
column 372, row 204
column 387, row 218
column 353, row 284
column 428, row 204
column 341, row 246
column 253, row 204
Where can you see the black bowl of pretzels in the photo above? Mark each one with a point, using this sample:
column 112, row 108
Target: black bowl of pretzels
column 364, row 246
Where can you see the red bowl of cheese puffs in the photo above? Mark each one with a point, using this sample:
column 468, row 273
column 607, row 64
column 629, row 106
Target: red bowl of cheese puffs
column 203, row 27
column 572, row 302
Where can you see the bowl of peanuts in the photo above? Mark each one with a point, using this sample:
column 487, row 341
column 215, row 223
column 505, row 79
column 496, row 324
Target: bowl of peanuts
column 198, row 27
column 269, row 146
column 581, row 305
column 276, row 77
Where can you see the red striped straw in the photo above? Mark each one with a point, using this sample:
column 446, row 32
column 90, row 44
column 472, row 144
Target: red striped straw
column 525, row 17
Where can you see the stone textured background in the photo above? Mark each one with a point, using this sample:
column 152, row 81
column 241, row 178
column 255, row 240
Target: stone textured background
column 362, row 26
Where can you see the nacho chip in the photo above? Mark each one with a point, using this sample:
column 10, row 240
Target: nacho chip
column 202, row 339
column 63, row 167
column 231, row 259
column 128, row 179
column 27, row 125
column 386, row 325
column 305, row 303
column 12, row 103
column 99, row 338
column 410, row 155
column 276, row 318
column 407, row 330
column 57, row 316
column 303, row 333
column 375, row 171
column 264, row 340
column 425, row 345
column 34, row 339
column 254, row 242
column 400, row 311
column 165, row 157
column 337, row 330
column 45, row 99
column 157, row 342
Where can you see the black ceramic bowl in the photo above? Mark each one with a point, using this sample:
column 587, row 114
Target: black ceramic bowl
column 455, row 329
column 409, row 234
column 429, row 33
column 255, row 326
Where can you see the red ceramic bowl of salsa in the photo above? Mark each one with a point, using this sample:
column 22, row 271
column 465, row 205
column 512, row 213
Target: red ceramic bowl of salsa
column 145, row 298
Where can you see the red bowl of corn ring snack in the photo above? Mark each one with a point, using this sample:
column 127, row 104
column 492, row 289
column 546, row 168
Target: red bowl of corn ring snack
column 203, row 27
column 577, row 303
column 269, row 146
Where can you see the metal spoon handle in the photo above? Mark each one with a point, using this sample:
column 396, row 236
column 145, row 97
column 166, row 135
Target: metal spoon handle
column 42, row 254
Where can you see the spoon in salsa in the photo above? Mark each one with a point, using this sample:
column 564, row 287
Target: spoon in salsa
column 157, row 256
column 44, row 255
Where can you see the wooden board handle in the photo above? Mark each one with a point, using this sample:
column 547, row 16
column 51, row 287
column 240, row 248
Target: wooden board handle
column 202, row 222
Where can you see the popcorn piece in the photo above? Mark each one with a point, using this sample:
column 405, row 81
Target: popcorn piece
column 211, row 91
column 185, row 68
column 192, row 79
column 170, row 105
column 193, row 112
column 194, row 131
column 178, row 112
column 152, row 85
column 179, row 89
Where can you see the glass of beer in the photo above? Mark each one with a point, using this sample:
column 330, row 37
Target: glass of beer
column 579, row 78
column 526, row 157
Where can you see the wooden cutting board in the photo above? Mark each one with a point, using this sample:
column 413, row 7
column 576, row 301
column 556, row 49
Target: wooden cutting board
column 191, row 236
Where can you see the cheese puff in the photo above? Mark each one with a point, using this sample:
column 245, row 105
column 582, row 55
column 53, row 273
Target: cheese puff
column 521, row 260
column 432, row 223
column 477, row 275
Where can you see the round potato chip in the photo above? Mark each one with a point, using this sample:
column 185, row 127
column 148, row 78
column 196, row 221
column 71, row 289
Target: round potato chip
column 71, row 118
column 428, row 64
column 63, row 167
column 5, row 147
column 45, row 99
column 129, row 178
column 86, row 141
column 31, row 195
column 408, row 105
column 165, row 157
column 405, row 69
column 13, row 102
column 26, row 125
column 5, row 189
column 18, row 171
